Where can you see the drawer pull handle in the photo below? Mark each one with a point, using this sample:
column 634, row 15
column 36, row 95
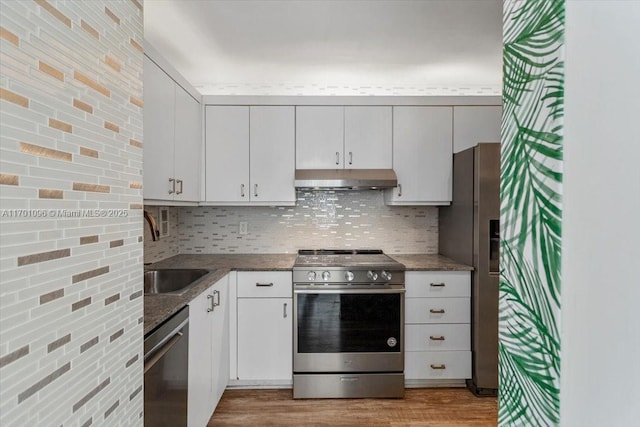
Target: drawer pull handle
column 440, row 338
column 212, row 304
column 438, row 366
column 434, row 311
column 437, row 285
column 264, row 284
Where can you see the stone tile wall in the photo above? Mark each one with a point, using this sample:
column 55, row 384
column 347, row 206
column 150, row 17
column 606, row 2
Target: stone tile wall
column 71, row 213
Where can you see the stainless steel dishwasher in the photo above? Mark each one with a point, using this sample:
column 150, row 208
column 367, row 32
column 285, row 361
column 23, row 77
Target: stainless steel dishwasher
column 166, row 357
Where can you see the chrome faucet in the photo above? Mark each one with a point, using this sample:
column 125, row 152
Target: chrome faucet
column 153, row 225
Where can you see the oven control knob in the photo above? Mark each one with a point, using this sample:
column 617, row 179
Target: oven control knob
column 386, row 275
column 349, row 276
column 311, row 276
column 326, row 275
column 372, row 275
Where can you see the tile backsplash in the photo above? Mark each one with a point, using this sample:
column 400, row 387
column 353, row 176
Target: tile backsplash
column 320, row 219
column 167, row 246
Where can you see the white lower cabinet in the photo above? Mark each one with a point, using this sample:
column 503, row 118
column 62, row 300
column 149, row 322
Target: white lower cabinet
column 437, row 328
column 264, row 328
column 208, row 352
column 444, row 365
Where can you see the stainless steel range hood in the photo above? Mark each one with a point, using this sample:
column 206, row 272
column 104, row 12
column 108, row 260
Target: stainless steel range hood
column 345, row 179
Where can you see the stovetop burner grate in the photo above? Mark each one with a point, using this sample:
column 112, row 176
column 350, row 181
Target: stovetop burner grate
column 340, row 252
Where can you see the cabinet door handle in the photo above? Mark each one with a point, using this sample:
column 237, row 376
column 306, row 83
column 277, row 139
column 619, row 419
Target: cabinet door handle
column 216, row 300
column 337, row 158
column 255, row 190
column 172, row 181
column 179, row 181
column 439, row 311
column 441, row 366
column 264, row 284
column 350, row 157
column 433, row 338
column 399, row 190
column 284, row 314
column 436, row 285
column 211, row 304
column 241, row 190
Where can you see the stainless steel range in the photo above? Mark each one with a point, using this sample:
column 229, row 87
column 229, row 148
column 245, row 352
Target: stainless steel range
column 348, row 333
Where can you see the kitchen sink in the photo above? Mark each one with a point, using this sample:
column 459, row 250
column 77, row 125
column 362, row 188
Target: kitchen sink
column 174, row 281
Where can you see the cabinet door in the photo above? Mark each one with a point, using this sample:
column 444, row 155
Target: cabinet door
column 227, row 153
column 187, row 142
column 319, row 137
column 472, row 125
column 200, row 393
column 265, row 339
column 220, row 340
column 272, row 148
column 367, row 138
column 422, row 156
column 158, row 126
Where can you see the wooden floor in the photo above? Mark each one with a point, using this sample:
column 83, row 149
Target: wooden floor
column 451, row 407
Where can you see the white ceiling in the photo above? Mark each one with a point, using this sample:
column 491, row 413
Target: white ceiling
column 341, row 47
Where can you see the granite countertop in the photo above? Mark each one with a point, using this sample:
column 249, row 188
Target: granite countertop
column 158, row 308
column 426, row 262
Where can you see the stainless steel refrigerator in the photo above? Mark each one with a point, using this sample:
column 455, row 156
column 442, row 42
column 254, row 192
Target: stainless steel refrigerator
column 469, row 232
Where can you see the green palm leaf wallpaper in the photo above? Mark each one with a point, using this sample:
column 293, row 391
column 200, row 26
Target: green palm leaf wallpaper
column 531, row 213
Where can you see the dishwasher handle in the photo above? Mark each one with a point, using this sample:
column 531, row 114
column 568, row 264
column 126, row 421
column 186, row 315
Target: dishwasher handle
column 152, row 359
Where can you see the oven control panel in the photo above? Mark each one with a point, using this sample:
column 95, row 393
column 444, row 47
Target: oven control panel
column 341, row 276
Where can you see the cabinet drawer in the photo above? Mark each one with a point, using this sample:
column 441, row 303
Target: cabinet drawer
column 438, row 284
column 266, row 284
column 437, row 337
column 437, row 365
column 437, row 310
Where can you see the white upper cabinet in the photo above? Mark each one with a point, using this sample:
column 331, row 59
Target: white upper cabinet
column 422, row 156
column 271, row 157
column 368, row 138
column 336, row 137
column 227, row 153
column 250, row 155
column 159, row 105
column 319, row 137
column 172, row 139
column 472, row 125
column 187, row 146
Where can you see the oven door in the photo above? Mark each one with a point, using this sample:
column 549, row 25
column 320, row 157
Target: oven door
column 348, row 330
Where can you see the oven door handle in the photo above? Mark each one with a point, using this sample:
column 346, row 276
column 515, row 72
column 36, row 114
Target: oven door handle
column 348, row 291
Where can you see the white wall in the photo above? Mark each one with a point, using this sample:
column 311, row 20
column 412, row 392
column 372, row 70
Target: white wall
column 474, row 124
column 601, row 250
